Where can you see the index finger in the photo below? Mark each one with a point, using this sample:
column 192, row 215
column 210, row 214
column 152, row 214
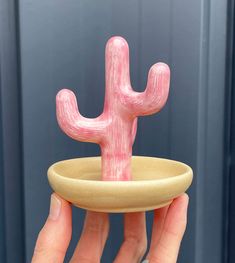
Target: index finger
column 53, row 240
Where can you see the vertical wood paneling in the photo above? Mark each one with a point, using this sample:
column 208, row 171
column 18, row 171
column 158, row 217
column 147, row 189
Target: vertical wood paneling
column 230, row 138
column 2, row 206
column 215, row 114
column 12, row 209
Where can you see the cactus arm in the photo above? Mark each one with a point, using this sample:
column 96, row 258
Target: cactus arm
column 73, row 123
column 155, row 95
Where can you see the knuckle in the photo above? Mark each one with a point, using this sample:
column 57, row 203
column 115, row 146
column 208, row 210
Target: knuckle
column 40, row 244
column 85, row 259
column 163, row 253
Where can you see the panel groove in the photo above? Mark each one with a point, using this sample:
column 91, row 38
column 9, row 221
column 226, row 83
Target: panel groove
column 2, row 192
column 229, row 196
column 202, row 129
column 10, row 117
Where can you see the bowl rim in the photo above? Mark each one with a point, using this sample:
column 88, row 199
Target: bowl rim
column 188, row 172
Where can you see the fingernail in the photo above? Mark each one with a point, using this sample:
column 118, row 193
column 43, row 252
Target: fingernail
column 55, row 207
column 186, row 202
column 145, row 261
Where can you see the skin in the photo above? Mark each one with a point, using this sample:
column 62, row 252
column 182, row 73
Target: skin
column 167, row 232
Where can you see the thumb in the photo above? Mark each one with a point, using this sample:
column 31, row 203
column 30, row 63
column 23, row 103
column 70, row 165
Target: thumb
column 54, row 238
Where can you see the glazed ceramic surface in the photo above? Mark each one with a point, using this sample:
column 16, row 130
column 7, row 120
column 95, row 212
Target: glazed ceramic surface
column 115, row 129
column 156, row 182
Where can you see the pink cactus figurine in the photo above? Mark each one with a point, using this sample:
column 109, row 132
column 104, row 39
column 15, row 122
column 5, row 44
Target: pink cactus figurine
column 115, row 129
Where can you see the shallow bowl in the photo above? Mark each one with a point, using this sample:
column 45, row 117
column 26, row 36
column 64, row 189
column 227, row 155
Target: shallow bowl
column 156, row 182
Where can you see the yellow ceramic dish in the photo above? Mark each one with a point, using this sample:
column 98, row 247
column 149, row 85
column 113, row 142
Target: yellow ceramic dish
column 156, row 182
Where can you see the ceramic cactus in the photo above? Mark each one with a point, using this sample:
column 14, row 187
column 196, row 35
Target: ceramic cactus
column 115, row 129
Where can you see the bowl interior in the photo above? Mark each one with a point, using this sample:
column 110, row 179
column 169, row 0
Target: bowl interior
column 90, row 168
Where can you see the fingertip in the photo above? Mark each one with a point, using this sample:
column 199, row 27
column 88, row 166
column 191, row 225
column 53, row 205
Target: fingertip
column 59, row 202
column 183, row 199
column 64, row 203
column 60, row 214
column 186, row 197
column 55, row 208
column 177, row 213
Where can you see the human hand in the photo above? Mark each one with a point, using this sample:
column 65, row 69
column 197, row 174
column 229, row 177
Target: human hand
column 168, row 230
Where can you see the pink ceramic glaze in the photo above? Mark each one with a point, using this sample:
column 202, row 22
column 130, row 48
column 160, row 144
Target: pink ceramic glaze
column 115, row 129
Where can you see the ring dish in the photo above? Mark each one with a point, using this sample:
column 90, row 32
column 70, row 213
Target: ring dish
column 155, row 183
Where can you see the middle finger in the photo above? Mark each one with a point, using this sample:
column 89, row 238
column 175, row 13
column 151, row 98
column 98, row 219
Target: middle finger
column 135, row 239
column 94, row 235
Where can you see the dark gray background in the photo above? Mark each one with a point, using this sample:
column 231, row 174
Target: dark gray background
column 61, row 44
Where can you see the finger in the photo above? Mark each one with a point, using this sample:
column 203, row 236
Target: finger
column 135, row 239
column 158, row 223
column 116, row 63
column 167, row 248
column 54, row 238
column 92, row 241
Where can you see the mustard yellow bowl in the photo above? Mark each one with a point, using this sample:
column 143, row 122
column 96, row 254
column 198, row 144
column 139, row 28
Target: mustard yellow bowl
column 156, row 182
